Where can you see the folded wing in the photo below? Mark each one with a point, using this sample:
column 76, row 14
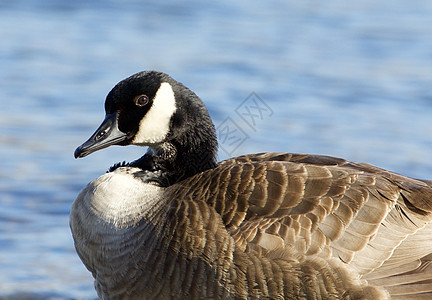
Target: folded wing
column 375, row 222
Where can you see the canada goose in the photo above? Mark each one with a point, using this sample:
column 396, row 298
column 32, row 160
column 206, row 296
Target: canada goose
column 176, row 224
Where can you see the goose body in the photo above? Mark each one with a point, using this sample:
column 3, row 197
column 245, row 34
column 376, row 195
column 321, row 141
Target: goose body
column 175, row 224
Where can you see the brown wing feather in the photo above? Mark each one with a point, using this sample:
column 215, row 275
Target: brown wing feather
column 319, row 206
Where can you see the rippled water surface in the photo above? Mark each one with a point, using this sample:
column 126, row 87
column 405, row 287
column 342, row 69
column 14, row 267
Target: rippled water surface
column 344, row 79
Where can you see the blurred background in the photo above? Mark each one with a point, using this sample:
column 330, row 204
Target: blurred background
column 344, row 79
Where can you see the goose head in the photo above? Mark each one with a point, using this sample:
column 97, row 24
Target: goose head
column 152, row 109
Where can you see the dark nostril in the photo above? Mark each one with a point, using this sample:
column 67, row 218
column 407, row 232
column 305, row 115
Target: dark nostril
column 100, row 135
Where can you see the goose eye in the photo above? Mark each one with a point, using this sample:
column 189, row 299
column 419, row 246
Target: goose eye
column 142, row 100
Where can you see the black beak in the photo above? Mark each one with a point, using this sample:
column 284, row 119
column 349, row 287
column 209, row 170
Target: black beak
column 106, row 135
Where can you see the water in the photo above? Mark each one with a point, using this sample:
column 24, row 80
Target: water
column 343, row 79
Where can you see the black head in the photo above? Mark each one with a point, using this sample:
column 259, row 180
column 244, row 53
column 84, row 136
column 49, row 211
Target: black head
column 149, row 109
column 138, row 111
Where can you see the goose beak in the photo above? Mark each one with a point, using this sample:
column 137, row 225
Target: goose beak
column 106, row 135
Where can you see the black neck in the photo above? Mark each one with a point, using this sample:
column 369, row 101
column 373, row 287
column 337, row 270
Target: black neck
column 178, row 158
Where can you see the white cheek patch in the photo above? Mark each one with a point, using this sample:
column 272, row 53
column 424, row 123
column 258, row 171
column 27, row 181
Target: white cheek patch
column 154, row 127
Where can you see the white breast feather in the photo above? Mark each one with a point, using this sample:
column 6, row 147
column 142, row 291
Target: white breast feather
column 120, row 199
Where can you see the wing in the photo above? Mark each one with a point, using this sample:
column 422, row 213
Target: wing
column 375, row 222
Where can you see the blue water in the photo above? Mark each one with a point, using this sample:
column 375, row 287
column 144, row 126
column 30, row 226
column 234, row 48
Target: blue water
column 337, row 78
